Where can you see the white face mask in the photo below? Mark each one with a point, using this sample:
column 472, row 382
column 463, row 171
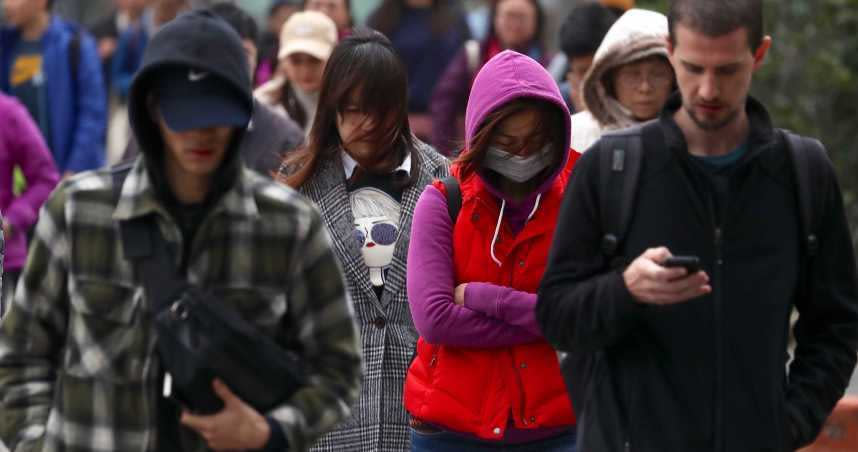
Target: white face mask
column 515, row 168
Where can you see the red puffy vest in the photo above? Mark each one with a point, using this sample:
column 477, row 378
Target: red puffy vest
column 476, row 390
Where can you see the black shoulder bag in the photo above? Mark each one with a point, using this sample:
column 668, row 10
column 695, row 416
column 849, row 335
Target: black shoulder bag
column 199, row 338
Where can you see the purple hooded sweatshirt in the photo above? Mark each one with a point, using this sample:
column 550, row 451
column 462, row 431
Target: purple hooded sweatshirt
column 493, row 316
column 22, row 145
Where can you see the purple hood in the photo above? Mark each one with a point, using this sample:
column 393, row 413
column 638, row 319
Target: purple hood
column 507, row 77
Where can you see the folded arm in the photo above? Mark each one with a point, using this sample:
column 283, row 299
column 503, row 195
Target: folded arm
column 431, row 285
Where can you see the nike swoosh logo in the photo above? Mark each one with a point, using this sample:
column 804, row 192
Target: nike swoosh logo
column 197, row 76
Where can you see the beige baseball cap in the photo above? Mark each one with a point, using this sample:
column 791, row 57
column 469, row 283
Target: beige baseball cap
column 309, row 32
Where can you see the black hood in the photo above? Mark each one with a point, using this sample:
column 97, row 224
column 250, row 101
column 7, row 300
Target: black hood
column 196, row 40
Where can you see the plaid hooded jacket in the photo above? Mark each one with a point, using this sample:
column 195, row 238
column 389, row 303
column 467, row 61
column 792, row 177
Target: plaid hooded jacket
column 78, row 369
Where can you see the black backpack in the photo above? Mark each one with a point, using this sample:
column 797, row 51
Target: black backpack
column 621, row 154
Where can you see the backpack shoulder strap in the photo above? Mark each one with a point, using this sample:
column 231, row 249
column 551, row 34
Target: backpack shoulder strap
column 74, row 53
column 143, row 243
column 620, row 157
column 808, row 159
column 454, row 197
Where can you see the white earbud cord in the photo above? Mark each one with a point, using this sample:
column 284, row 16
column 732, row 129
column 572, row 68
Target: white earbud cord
column 500, row 218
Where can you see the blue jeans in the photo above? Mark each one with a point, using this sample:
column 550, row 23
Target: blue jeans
column 445, row 441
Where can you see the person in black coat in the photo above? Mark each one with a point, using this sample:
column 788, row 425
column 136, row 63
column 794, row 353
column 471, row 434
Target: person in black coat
column 661, row 359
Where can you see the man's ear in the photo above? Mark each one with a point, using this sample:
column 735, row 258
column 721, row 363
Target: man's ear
column 669, row 43
column 762, row 50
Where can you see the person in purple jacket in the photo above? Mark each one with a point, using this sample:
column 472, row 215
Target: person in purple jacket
column 22, row 146
column 484, row 378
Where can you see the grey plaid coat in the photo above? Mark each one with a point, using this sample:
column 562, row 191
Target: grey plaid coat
column 378, row 421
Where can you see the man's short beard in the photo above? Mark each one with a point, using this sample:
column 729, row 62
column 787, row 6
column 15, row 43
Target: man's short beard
column 712, row 126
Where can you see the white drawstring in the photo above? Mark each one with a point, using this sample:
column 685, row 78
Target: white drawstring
column 500, row 218
column 497, row 229
column 535, row 206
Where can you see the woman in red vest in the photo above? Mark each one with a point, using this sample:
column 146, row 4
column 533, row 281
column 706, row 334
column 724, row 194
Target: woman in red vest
column 484, row 376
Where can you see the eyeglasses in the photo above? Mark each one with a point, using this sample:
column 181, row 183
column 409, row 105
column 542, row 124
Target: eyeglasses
column 381, row 234
column 655, row 79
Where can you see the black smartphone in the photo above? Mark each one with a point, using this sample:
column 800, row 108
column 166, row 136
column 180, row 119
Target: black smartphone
column 691, row 263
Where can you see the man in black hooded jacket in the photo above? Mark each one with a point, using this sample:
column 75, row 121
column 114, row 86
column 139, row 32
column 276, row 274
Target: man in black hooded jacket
column 269, row 135
column 663, row 360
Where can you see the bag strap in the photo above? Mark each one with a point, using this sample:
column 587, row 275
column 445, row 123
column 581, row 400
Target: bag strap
column 808, row 159
column 620, row 166
column 454, row 197
column 143, row 243
column 74, row 54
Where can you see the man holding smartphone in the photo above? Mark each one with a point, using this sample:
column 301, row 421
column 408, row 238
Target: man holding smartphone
column 663, row 359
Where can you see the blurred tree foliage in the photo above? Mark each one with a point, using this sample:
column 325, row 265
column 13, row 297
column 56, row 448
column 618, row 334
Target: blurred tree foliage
column 810, row 79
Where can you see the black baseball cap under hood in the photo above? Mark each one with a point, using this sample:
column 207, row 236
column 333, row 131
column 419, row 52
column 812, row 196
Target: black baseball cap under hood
column 193, row 44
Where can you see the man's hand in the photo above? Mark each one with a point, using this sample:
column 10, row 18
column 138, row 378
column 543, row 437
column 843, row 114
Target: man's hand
column 459, row 294
column 7, row 229
column 650, row 283
column 237, row 427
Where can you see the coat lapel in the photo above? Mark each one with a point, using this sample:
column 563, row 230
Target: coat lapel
column 328, row 190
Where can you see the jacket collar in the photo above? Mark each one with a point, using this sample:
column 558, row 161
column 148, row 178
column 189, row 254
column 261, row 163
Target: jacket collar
column 138, row 198
column 350, row 164
column 761, row 133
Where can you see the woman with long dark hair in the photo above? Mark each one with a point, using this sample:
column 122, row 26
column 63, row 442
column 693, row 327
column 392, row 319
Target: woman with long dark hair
column 515, row 25
column 365, row 170
column 484, row 377
column 426, row 34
